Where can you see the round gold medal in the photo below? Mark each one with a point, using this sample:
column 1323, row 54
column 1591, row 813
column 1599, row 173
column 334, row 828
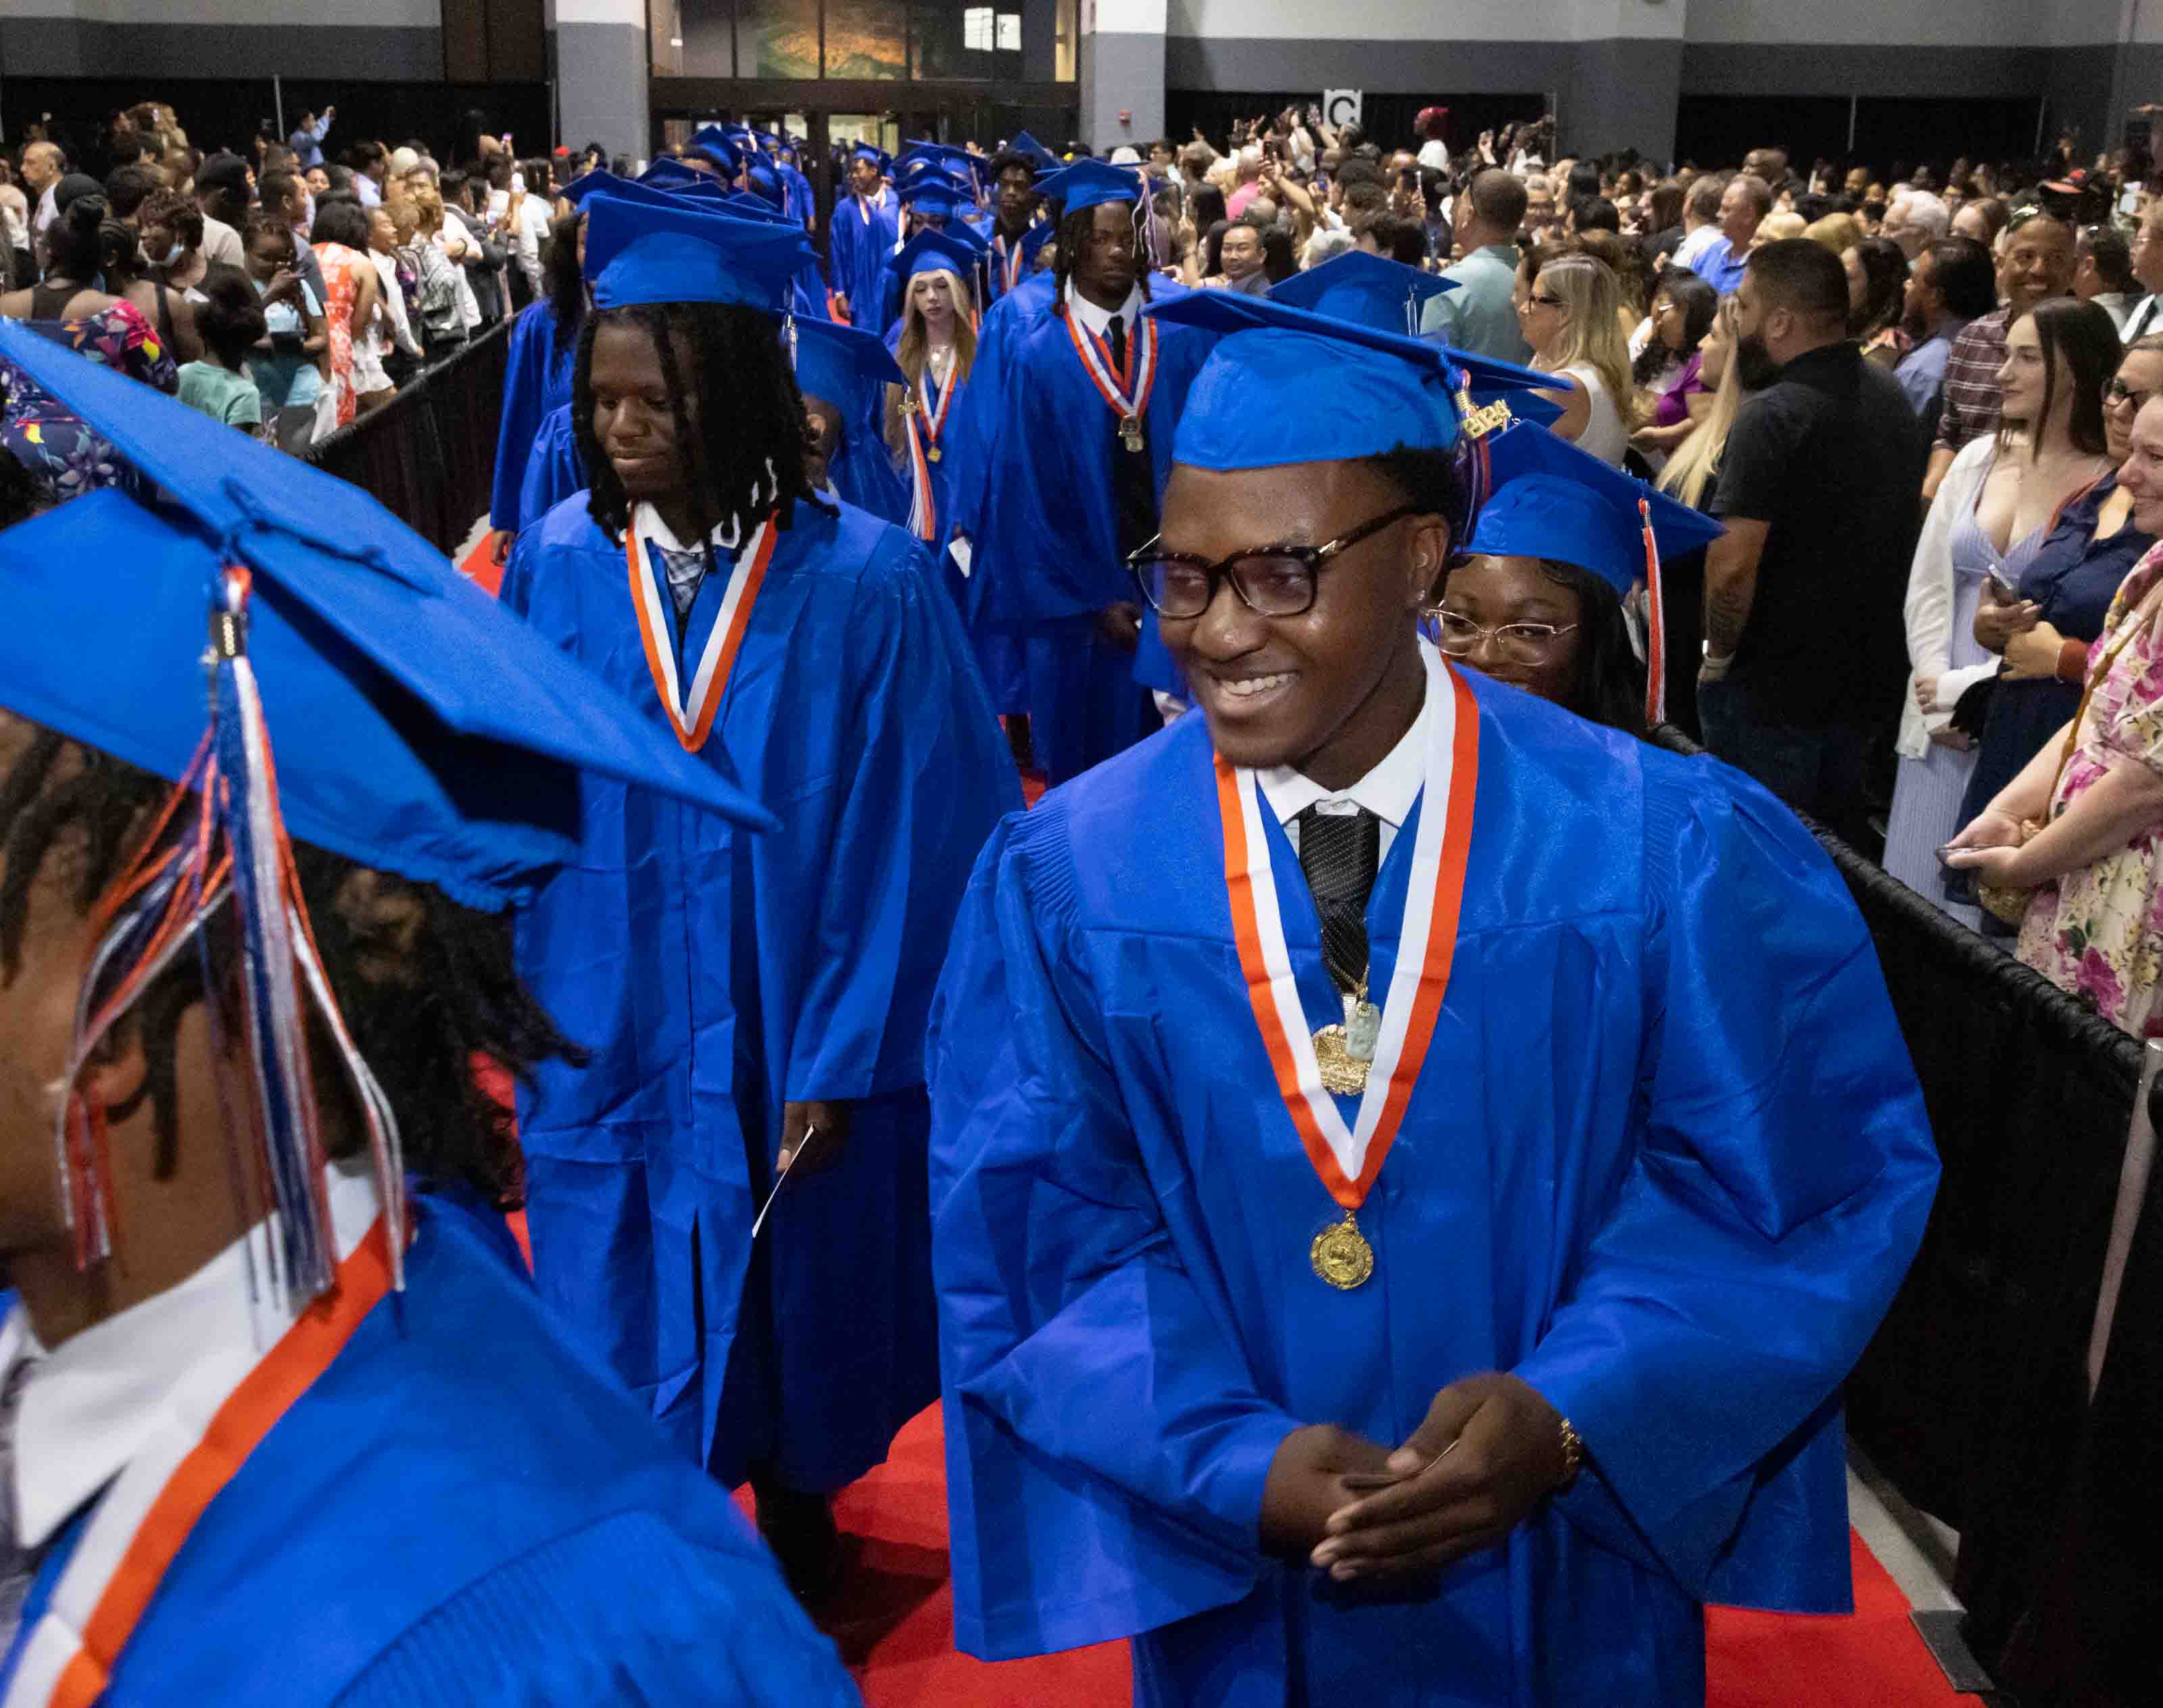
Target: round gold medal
column 1341, row 1255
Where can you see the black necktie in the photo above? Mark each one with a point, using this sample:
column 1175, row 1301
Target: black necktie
column 1133, row 472
column 1340, row 853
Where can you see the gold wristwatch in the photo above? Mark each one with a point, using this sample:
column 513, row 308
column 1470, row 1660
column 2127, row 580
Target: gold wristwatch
column 1573, row 1454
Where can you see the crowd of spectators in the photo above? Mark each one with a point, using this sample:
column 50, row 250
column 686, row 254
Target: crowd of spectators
column 1918, row 403
column 287, row 290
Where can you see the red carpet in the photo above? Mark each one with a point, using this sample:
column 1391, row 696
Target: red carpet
column 480, row 565
column 894, row 1623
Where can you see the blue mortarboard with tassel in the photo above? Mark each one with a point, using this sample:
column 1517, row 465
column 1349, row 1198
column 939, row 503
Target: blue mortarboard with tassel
column 356, row 693
column 1548, row 499
column 1370, row 289
column 1091, row 184
column 681, row 252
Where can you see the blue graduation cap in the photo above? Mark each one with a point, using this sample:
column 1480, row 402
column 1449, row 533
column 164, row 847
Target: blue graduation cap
column 915, row 160
column 844, row 364
column 743, row 205
column 586, row 183
column 360, row 695
column 666, row 172
column 954, row 250
column 714, row 143
column 763, row 181
column 645, row 191
column 1090, row 183
column 1548, row 499
column 1370, row 289
column 934, row 191
column 878, row 156
column 1366, row 390
column 1034, row 151
column 681, row 253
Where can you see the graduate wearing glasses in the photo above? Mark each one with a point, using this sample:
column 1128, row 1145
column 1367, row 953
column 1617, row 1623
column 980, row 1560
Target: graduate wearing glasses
column 1561, row 546
column 1410, row 1168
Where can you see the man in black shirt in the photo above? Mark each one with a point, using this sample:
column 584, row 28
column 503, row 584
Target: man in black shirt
column 1804, row 649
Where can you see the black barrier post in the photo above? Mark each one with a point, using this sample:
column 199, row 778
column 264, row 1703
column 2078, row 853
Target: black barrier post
column 1972, row 1396
column 428, row 456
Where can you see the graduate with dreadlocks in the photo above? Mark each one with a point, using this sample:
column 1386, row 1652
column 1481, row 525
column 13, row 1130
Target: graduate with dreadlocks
column 1079, row 426
column 554, row 469
column 745, row 999
column 239, row 1114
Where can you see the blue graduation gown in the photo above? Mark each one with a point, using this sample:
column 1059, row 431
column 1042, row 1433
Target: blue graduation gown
column 462, row 1508
column 715, row 974
column 554, row 470
column 1032, row 243
column 856, row 250
column 1047, row 528
column 1667, row 1161
column 999, row 651
column 536, row 378
column 862, row 471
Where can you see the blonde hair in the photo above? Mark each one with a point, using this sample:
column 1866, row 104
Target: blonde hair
column 1592, row 330
column 1696, row 460
column 1837, row 232
column 914, row 346
column 1777, row 227
column 427, row 205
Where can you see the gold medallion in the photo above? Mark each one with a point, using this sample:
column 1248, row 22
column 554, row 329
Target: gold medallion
column 933, row 454
column 1130, row 432
column 1341, row 1255
column 1344, row 1074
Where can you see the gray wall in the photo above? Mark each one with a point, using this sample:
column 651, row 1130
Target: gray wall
column 1116, row 70
column 80, row 47
column 1611, row 94
column 602, row 93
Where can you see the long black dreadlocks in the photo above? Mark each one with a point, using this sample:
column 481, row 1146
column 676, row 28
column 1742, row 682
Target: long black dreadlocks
column 425, row 984
column 567, row 282
column 744, row 454
column 1073, row 238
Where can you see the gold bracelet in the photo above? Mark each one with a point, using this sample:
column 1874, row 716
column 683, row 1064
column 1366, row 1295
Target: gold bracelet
column 1572, row 1453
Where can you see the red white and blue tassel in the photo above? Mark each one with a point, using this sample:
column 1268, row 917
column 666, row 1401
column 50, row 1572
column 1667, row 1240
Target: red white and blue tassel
column 222, row 837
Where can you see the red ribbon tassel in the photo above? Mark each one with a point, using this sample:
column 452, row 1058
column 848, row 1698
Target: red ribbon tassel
column 1656, row 648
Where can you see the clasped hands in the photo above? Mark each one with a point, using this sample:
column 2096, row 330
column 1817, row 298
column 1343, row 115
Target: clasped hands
column 1490, row 1450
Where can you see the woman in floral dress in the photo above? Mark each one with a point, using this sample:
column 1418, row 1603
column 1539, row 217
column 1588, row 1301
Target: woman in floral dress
column 352, row 293
column 59, row 450
column 2094, row 923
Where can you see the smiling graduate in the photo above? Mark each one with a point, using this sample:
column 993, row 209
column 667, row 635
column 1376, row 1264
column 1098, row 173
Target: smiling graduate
column 1411, row 1168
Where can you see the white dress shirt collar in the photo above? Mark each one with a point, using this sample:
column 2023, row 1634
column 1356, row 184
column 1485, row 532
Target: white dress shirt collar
column 1096, row 319
column 1388, row 791
column 94, row 1403
column 656, row 531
